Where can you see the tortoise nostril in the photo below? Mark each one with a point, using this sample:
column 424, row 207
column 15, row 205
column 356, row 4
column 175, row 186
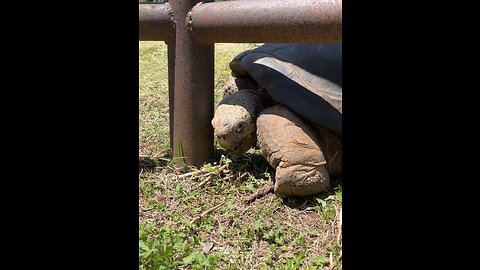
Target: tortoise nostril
column 239, row 128
column 220, row 138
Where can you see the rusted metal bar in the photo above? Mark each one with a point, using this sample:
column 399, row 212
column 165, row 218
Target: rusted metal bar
column 193, row 95
column 171, row 83
column 155, row 22
column 301, row 21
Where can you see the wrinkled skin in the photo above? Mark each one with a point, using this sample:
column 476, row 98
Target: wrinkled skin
column 234, row 122
column 295, row 153
column 235, row 84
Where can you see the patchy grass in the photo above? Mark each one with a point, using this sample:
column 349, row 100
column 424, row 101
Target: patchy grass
column 153, row 98
column 197, row 219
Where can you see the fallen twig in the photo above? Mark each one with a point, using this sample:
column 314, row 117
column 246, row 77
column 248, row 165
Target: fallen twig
column 205, row 172
column 314, row 208
column 245, row 210
column 206, row 213
column 332, row 264
column 259, row 193
column 209, row 176
column 204, row 182
column 242, row 176
column 233, row 176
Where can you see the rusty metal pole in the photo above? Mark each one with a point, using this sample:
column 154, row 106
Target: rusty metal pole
column 193, row 92
column 171, row 84
column 270, row 21
column 155, row 22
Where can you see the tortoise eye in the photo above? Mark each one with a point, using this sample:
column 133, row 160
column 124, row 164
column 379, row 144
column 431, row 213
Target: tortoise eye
column 239, row 128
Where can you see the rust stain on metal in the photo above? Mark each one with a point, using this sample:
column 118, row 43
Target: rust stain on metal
column 304, row 21
column 171, row 84
column 156, row 21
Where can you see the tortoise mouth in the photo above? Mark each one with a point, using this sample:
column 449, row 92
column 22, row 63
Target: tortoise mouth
column 239, row 145
column 240, row 149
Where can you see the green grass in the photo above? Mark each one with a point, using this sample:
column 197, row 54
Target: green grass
column 270, row 233
column 153, row 97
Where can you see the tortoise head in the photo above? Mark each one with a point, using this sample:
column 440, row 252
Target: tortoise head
column 234, row 122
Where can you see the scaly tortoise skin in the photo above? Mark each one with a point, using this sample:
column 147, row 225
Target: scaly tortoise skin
column 234, row 122
column 292, row 148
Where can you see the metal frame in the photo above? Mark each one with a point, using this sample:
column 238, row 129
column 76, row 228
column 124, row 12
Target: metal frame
column 191, row 28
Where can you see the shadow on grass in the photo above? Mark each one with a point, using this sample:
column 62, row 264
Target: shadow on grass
column 256, row 165
column 253, row 163
column 301, row 203
column 148, row 164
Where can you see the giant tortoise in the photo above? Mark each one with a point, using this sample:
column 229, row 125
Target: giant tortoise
column 287, row 98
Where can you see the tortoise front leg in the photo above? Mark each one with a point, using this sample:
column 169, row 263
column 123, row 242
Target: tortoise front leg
column 291, row 147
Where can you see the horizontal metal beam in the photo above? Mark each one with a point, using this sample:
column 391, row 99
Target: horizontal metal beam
column 301, row 21
column 155, row 22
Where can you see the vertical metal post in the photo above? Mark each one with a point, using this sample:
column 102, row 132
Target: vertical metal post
column 193, row 96
column 171, row 84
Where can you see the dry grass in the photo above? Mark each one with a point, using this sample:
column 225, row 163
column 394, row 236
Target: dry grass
column 270, row 230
